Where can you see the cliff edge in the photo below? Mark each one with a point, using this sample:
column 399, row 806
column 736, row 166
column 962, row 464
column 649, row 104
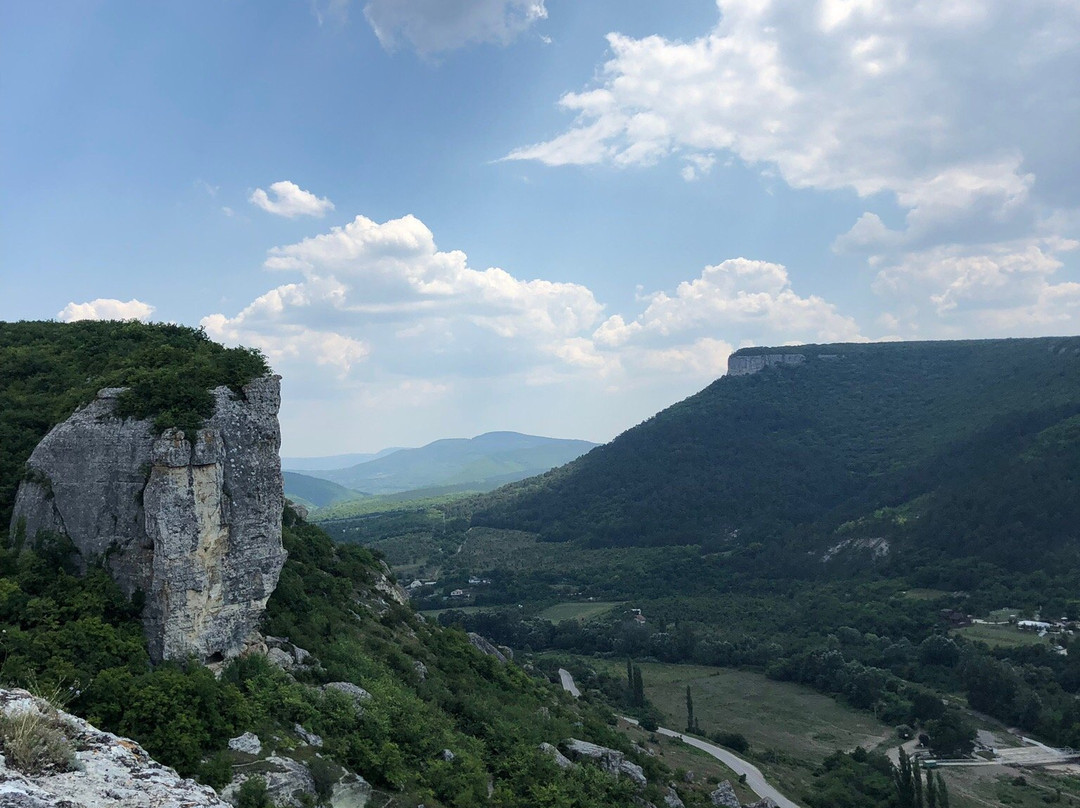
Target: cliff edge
column 192, row 522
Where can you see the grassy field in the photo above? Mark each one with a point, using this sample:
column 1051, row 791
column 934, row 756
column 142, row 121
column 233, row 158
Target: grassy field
column 791, row 729
column 581, row 611
column 926, row 594
column 1006, row 636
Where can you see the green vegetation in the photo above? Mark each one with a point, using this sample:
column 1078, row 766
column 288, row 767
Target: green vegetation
column 577, row 610
column 49, row 369
column 1002, row 636
column 431, row 690
column 315, row 493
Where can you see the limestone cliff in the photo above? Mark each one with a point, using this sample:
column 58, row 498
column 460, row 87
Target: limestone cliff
column 743, row 364
column 193, row 522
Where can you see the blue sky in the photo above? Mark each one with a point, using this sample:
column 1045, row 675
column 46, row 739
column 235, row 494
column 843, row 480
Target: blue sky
column 442, row 217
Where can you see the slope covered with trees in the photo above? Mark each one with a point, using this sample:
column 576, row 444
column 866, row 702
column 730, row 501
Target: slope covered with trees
column 977, row 439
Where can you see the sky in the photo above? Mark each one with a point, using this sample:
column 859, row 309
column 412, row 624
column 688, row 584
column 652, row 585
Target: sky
column 439, row 218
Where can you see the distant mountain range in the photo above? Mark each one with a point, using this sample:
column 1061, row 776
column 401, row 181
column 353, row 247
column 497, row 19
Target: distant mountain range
column 332, row 462
column 474, row 464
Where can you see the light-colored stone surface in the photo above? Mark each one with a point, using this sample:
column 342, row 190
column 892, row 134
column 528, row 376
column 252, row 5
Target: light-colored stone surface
column 610, row 760
column 485, row 646
column 248, row 743
column 724, row 796
column 561, row 760
column 359, row 695
column 112, row 771
column 192, row 521
column 287, row 781
column 745, row 365
column 672, row 799
column 310, row 738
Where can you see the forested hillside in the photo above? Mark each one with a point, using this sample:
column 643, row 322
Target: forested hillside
column 977, row 439
column 417, row 710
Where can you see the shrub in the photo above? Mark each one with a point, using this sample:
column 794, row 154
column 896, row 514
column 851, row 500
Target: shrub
column 252, row 794
column 34, row 743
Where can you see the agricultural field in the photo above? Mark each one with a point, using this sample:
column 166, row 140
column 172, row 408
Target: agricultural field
column 1000, row 636
column 581, row 611
column 791, row 729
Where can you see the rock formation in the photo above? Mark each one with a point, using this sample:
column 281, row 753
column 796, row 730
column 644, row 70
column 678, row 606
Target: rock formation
column 193, row 522
column 740, row 365
column 103, row 769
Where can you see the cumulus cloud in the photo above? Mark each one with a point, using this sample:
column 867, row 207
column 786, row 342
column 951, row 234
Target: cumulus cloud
column 373, row 309
column 434, row 26
column 290, row 200
column 1005, row 288
column 954, row 108
column 105, row 309
column 385, row 293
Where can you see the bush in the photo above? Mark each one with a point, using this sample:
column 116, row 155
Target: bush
column 34, row 743
column 252, row 794
column 732, row 740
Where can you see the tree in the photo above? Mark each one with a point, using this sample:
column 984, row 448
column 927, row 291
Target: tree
column 638, row 697
column 690, row 725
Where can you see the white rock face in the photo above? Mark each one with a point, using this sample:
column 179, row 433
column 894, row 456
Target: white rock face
column 745, row 365
column 113, row 772
column 194, row 522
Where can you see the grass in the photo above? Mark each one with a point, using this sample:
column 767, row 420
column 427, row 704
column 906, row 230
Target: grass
column 577, row 610
column 707, row 771
column 926, row 594
column 976, row 787
column 791, row 729
column 34, row 742
column 1001, row 636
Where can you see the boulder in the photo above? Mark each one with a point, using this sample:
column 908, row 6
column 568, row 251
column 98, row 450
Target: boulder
column 672, row 799
column 248, row 743
column 310, row 738
column 610, row 760
column 724, row 795
column 349, row 689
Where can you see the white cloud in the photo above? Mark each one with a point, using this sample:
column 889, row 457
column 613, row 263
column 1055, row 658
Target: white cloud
column 375, row 310
column 434, row 26
column 105, row 309
column 290, row 200
column 940, row 104
column 1001, row 289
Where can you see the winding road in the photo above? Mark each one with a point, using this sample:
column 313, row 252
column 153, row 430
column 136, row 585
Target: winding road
column 754, row 778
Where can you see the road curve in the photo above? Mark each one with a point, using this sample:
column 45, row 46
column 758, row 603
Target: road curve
column 754, row 778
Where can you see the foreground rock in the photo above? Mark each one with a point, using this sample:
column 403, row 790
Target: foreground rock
column 107, row 770
column 193, row 521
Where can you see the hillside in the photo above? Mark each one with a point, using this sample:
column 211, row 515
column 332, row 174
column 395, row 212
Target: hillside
column 314, row 492
column 352, row 696
column 479, row 463
column 976, row 438
column 333, row 462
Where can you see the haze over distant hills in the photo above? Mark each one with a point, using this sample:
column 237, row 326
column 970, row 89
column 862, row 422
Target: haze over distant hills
column 342, row 461
column 478, row 464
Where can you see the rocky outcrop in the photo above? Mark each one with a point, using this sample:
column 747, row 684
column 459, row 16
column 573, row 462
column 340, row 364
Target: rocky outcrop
column 486, row 647
column 724, row 796
column 192, row 521
column 610, row 760
column 744, row 365
column 107, row 770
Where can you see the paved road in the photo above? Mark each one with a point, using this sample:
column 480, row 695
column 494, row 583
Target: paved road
column 754, row 778
column 568, row 683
